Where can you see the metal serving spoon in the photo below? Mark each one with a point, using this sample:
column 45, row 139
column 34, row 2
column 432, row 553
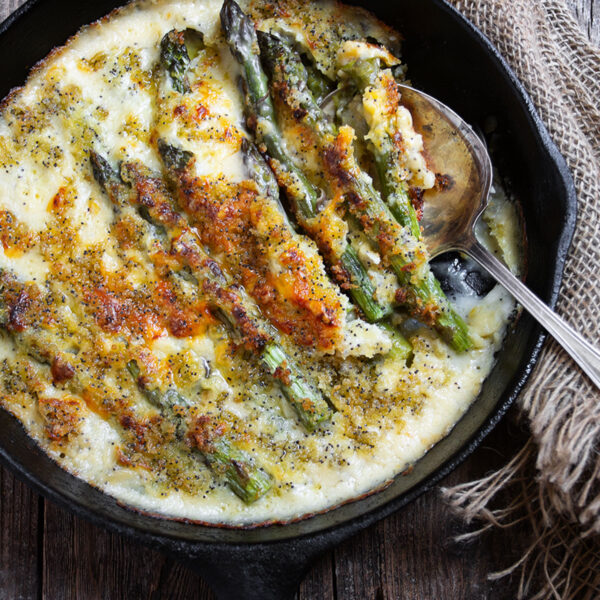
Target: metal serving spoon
column 450, row 214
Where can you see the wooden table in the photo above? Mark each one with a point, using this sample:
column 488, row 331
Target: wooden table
column 46, row 552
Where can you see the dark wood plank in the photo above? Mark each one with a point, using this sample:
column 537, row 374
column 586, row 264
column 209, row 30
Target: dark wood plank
column 19, row 536
column 587, row 13
column 319, row 583
column 82, row 561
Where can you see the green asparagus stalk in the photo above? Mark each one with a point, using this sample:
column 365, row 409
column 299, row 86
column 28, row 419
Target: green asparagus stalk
column 362, row 289
column 42, row 344
column 421, row 292
column 166, row 399
column 177, row 48
column 395, row 192
column 394, row 188
column 288, row 72
column 318, row 84
column 401, row 348
column 238, row 468
column 261, row 173
column 241, row 37
column 292, row 383
column 230, row 300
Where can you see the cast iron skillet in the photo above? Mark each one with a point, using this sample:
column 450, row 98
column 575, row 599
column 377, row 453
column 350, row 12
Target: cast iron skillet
column 450, row 59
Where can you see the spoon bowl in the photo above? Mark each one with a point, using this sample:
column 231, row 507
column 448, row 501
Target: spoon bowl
column 453, row 150
column 453, row 208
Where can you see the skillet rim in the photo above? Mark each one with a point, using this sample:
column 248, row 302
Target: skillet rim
column 363, row 519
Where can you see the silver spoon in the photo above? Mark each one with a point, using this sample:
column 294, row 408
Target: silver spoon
column 450, row 215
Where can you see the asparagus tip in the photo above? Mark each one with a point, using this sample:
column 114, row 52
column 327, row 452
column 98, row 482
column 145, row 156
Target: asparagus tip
column 175, row 59
column 101, row 168
column 238, row 28
column 174, row 158
column 244, row 476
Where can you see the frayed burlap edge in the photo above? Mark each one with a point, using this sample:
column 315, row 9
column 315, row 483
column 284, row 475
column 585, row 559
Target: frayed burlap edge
column 554, row 481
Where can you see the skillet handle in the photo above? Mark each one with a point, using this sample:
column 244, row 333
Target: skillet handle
column 255, row 571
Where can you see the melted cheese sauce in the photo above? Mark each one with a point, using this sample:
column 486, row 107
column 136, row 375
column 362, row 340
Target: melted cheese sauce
column 100, row 92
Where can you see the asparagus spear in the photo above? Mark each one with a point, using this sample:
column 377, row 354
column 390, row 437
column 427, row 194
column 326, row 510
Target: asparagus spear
column 364, row 74
column 175, row 58
column 401, row 348
column 42, row 344
column 241, row 37
column 232, row 303
column 395, row 192
column 162, row 399
column 238, row 468
column 263, row 176
column 319, row 85
column 420, row 292
column 177, row 48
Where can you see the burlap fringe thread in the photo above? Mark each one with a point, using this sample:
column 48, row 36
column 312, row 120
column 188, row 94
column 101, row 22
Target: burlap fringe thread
column 554, row 481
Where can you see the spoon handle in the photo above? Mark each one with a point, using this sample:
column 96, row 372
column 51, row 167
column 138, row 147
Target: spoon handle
column 584, row 354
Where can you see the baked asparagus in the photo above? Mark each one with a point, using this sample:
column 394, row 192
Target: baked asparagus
column 137, row 185
column 346, row 266
column 366, row 74
column 238, row 468
column 241, row 37
column 175, row 59
column 17, row 302
column 165, row 399
column 261, row 173
column 420, row 292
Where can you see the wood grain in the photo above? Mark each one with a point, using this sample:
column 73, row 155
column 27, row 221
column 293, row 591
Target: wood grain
column 587, row 13
column 20, row 539
column 48, row 554
column 82, row 561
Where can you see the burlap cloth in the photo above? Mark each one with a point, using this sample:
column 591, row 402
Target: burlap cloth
column 552, row 486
